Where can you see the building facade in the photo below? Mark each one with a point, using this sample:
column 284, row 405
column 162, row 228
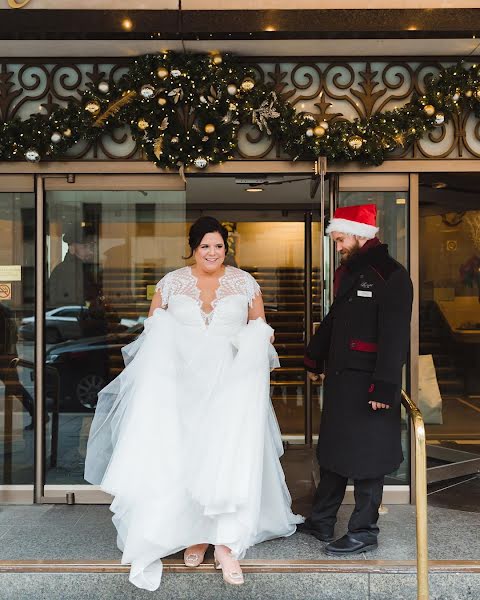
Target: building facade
column 86, row 236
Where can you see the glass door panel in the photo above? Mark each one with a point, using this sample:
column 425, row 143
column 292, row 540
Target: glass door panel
column 270, row 238
column 449, row 330
column 17, row 296
column 106, row 249
column 391, row 195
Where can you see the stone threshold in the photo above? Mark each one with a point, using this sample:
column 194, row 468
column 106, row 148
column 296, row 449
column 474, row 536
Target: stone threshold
column 248, row 566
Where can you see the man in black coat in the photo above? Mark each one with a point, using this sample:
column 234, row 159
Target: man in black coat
column 359, row 351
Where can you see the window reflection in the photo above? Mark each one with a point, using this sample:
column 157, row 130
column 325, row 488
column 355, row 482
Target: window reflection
column 16, row 352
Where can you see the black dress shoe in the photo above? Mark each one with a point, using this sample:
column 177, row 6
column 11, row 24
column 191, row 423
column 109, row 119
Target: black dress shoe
column 307, row 528
column 349, row 545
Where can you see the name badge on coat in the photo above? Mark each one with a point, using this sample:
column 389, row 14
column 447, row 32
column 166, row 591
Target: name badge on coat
column 364, row 293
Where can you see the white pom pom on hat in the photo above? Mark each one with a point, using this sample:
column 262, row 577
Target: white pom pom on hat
column 356, row 220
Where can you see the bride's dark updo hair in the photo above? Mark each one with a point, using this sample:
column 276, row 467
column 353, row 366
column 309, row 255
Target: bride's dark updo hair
column 200, row 228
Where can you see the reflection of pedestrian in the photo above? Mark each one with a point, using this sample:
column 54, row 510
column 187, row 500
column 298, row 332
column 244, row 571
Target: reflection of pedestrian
column 74, row 281
column 77, row 281
column 8, row 352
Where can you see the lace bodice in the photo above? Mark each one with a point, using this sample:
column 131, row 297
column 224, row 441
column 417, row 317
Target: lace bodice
column 182, row 282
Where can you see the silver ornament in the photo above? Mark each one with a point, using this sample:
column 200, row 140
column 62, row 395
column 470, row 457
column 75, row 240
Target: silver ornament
column 309, row 132
column 175, row 72
column 323, row 124
column 456, row 97
column 232, row 89
column 32, row 155
column 104, row 87
column 439, row 118
column 174, row 140
column 203, row 100
column 147, row 91
column 200, row 162
column 56, row 137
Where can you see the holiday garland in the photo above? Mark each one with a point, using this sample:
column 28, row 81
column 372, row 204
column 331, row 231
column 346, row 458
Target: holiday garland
column 187, row 109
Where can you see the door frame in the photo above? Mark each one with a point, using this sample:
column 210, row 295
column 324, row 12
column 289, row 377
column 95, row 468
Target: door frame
column 20, row 173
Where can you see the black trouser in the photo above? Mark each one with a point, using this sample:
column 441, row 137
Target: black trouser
column 329, row 496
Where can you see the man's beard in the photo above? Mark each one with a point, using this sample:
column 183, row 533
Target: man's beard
column 350, row 253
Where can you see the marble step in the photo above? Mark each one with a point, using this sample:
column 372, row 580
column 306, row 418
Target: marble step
column 264, row 580
column 59, row 552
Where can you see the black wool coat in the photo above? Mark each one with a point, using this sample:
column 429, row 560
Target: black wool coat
column 361, row 346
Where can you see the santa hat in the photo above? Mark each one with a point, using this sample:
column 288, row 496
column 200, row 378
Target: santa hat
column 356, row 220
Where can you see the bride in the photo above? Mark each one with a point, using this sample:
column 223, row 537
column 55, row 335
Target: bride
column 185, row 438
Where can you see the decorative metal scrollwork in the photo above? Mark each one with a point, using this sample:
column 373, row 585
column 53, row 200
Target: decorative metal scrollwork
column 331, row 91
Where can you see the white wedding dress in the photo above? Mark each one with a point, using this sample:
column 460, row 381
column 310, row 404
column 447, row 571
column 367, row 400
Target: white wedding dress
column 185, row 438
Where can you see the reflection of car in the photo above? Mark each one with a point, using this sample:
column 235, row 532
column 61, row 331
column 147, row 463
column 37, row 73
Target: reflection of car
column 61, row 324
column 85, row 366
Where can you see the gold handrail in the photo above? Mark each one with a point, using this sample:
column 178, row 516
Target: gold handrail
column 420, row 495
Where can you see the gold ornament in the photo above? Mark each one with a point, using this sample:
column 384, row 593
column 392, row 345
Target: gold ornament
column 67, row 133
column 323, row 124
column 174, row 140
column 429, row 110
column 162, row 72
column 143, row 124
column 162, row 101
column 319, row 131
column 247, row 84
column 209, row 128
column 469, row 93
column 355, row 142
column 92, row 107
column 217, row 59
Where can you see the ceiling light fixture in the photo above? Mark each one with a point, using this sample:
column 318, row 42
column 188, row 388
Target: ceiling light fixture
column 127, row 24
column 254, row 188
